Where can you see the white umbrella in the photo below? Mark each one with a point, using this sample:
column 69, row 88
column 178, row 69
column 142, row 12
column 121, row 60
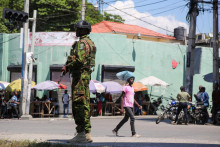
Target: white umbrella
column 3, row 85
column 96, row 86
column 46, row 85
column 153, row 81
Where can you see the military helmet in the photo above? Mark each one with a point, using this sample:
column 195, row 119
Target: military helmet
column 83, row 25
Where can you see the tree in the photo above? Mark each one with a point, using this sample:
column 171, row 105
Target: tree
column 56, row 15
column 114, row 18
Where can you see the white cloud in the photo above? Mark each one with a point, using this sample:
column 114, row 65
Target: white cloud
column 167, row 22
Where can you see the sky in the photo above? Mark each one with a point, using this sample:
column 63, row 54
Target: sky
column 161, row 16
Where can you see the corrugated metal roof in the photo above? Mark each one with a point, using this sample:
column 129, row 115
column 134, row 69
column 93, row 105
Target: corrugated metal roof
column 107, row 27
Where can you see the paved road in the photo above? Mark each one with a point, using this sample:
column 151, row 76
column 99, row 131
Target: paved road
column 163, row 134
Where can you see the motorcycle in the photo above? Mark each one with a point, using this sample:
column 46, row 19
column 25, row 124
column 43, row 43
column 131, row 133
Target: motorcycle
column 198, row 114
column 154, row 106
column 170, row 113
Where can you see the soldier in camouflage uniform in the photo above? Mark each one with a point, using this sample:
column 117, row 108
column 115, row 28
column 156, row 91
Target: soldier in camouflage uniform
column 80, row 64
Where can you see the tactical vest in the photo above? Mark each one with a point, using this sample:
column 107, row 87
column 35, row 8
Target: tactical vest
column 91, row 58
column 74, row 67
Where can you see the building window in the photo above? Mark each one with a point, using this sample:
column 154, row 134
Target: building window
column 109, row 72
column 15, row 72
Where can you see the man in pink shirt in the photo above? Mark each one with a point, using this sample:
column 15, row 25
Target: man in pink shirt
column 127, row 103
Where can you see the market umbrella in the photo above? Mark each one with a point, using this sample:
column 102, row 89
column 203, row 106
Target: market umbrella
column 112, row 87
column 62, row 86
column 153, row 81
column 3, row 85
column 96, row 86
column 139, row 87
column 46, row 85
column 16, row 85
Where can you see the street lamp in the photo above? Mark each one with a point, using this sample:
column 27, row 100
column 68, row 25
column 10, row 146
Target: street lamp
column 138, row 36
column 133, row 52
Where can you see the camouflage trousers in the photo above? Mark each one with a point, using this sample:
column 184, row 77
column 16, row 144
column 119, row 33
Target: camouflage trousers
column 80, row 105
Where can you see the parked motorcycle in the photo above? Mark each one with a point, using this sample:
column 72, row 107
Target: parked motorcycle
column 170, row 113
column 198, row 114
column 154, row 106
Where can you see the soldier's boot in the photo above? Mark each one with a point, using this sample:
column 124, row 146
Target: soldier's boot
column 77, row 138
column 88, row 137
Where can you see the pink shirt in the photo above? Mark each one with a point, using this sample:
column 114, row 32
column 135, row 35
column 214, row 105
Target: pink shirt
column 128, row 100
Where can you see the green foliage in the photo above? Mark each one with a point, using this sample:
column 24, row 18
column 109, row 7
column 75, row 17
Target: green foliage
column 28, row 143
column 114, row 18
column 56, row 15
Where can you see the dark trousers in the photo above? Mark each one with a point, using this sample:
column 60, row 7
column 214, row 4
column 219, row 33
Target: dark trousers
column 180, row 107
column 215, row 109
column 14, row 109
column 128, row 113
column 65, row 106
column 3, row 111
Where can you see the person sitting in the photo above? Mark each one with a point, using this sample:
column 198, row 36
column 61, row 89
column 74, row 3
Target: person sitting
column 205, row 97
column 139, row 99
column 183, row 97
column 14, row 103
column 198, row 96
column 44, row 98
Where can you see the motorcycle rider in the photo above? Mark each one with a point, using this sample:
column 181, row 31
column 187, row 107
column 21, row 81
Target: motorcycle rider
column 183, row 97
column 205, row 99
column 198, row 96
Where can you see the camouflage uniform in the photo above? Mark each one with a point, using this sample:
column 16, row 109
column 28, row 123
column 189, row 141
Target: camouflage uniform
column 80, row 64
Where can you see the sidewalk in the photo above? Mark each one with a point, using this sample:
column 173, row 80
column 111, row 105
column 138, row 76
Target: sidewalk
column 59, row 130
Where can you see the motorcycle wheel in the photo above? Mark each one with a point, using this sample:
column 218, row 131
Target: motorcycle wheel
column 160, row 118
column 205, row 118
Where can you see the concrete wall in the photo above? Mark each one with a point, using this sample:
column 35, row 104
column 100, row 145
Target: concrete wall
column 149, row 58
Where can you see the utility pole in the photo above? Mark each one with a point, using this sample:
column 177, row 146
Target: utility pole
column 24, row 64
column 34, row 19
column 83, row 9
column 191, row 47
column 215, row 42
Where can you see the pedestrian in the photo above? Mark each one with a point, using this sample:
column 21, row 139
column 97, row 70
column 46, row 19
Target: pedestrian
column 14, row 105
column 215, row 102
column 80, row 64
column 183, row 97
column 65, row 100
column 127, row 103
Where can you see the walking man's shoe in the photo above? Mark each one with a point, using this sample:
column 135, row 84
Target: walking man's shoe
column 136, row 135
column 173, row 123
column 115, row 132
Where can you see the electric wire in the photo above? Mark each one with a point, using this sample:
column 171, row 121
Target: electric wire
column 139, row 5
column 139, row 19
column 10, row 39
column 182, row 6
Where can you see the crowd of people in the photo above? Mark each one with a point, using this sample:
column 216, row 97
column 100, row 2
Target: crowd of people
column 202, row 99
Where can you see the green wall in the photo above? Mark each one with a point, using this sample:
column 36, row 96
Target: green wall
column 149, row 58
